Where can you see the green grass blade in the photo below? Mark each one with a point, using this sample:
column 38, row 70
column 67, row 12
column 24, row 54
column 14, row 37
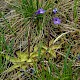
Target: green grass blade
column 8, row 25
column 37, row 3
column 65, row 66
column 75, row 11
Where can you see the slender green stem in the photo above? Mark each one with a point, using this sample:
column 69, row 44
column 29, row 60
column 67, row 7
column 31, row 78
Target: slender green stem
column 75, row 10
column 37, row 3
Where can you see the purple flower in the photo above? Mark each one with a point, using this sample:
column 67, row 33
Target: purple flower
column 31, row 70
column 56, row 20
column 55, row 10
column 40, row 11
column 79, row 57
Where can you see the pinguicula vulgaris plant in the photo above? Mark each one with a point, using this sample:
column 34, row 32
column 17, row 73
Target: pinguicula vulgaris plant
column 39, row 42
column 32, row 16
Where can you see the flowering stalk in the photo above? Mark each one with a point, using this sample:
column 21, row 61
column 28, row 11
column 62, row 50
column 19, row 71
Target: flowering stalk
column 48, row 36
column 29, row 40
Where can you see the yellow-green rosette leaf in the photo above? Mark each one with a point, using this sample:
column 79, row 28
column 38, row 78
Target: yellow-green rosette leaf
column 52, row 52
column 55, row 47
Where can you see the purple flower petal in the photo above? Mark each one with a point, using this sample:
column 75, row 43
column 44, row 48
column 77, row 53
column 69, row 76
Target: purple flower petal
column 79, row 57
column 31, row 70
column 40, row 11
column 55, row 10
column 56, row 20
